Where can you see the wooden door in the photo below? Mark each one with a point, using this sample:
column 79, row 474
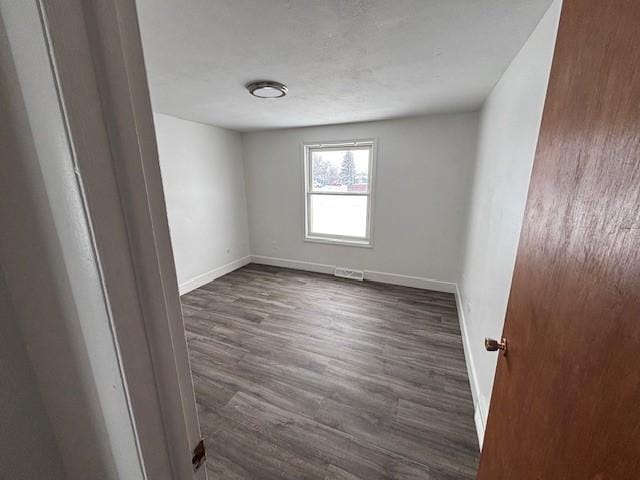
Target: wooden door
column 566, row 399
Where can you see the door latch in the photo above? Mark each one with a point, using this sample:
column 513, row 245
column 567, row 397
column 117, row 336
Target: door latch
column 492, row 345
column 199, row 455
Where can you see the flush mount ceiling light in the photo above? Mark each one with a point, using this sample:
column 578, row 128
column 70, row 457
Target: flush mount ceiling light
column 267, row 89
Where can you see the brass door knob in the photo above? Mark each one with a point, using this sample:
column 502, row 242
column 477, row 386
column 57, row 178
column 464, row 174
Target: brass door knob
column 493, row 345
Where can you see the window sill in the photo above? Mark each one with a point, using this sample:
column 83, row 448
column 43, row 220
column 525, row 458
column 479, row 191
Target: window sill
column 345, row 243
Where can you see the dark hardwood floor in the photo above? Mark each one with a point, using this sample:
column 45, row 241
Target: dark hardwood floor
column 306, row 376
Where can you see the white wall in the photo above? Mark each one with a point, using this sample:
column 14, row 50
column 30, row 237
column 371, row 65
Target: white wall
column 203, row 179
column 424, row 168
column 509, row 126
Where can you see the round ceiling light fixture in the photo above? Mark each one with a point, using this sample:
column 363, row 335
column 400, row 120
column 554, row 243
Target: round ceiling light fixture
column 267, row 89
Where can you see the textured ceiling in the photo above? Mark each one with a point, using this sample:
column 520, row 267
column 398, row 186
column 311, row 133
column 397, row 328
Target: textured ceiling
column 343, row 60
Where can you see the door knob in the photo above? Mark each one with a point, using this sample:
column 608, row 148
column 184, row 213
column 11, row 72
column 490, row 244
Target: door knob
column 492, row 345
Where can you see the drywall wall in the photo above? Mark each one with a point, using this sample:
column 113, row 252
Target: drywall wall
column 509, row 126
column 25, row 425
column 203, row 179
column 423, row 174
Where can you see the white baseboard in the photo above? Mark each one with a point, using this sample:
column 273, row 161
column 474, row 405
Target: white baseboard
column 409, row 281
column 211, row 275
column 480, row 409
column 477, row 419
column 295, row 264
column 382, row 277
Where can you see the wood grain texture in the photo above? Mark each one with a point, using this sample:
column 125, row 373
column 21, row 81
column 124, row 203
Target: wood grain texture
column 305, row 376
column 566, row 401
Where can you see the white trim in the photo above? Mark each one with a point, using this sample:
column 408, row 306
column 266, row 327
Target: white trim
column 477, row 419
column 372, row 145
column 371, row 276
column 332, row 241
column 480, row 412
column 204, row 278
column 410, row 281
column 295, row 264
column 69, row 330
column 105, row 100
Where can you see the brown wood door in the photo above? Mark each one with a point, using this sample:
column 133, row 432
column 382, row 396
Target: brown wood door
column 566, row 399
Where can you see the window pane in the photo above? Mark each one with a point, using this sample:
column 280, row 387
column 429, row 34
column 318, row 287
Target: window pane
column 344, row 215
column 335, row 170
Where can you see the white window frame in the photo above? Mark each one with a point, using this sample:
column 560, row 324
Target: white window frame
column 310, row 236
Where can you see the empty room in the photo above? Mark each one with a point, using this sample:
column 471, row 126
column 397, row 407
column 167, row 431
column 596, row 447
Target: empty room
column 323, row 240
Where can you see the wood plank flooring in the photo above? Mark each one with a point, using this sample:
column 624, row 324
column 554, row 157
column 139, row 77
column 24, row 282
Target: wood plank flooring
column 306, row 376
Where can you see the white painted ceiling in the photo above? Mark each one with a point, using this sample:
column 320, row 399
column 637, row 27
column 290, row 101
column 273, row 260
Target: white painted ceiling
column 343, row 60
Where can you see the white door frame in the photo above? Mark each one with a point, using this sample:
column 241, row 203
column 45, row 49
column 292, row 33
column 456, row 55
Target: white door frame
column 96, row 60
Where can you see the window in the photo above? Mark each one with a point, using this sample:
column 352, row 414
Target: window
column 338, row 192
